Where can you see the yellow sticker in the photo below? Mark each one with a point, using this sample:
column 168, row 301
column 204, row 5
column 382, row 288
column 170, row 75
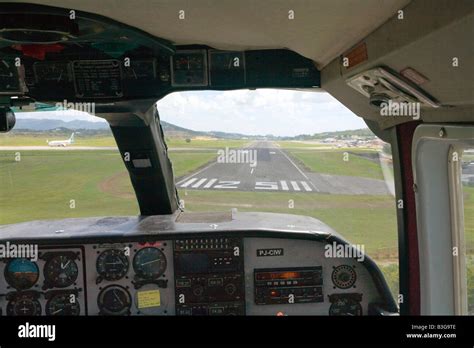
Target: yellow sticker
column 147, row 299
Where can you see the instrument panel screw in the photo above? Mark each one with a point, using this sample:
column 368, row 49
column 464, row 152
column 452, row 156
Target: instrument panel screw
column 442, row 133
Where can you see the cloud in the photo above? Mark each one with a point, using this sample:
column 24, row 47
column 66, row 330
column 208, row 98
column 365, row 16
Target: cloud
column 264, row 111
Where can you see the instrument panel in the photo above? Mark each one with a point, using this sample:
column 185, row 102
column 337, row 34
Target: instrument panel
column 52, row 284
column 206, row 274
column 91, row 75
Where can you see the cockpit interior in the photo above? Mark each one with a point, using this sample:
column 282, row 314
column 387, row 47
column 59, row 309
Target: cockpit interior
column 403, row 68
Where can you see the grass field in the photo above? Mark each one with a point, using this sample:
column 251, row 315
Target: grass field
column 299, row 145
column 332, row 162
column 33, row 139
column 309, row 145
column 187, row 162
column 468, row 194
column 44, row 182
column 358, row 218
column 39, row 139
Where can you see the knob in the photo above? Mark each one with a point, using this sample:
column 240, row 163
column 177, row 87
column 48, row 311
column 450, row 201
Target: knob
column 198, row 290
column 230, row 289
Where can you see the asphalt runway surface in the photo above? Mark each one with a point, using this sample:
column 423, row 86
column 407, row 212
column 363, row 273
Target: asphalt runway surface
column 273, row 170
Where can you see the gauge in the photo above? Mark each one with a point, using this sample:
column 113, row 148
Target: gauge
column 344, row 276
column 112, row 264
column 21, row 274
column 9, row 80
column 114, row 300
column 24, row 305
column 189, row 68
column 63, row 304
column 149, row 263
column 344, row 305
column 52, row 71
column 60, row 271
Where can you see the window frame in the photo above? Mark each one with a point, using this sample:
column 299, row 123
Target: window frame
column 440, row 216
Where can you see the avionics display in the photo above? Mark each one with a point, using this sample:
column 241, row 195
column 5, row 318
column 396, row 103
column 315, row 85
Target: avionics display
column 209, row 277
column 289, row 285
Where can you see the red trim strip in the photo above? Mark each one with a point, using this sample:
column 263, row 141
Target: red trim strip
column 405, row 140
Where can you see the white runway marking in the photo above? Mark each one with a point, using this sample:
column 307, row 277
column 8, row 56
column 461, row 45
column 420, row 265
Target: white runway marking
column 263, row 185
column 210, row 183
column 199, row 183
column 306, row 186
column 223, row 184
column 196, row 173
column 281, row 185
column 295, row 186
column 298, row 168
column 189, row 182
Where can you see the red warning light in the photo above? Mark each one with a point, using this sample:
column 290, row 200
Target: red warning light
column 38, row 51
column 280, row 314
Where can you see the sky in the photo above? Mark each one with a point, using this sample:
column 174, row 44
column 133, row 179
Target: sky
column 258, row 112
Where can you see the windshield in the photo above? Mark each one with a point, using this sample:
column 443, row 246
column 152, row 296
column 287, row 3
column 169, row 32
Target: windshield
column 274, row 151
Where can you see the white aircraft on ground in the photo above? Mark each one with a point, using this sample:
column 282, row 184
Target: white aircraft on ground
column 63, row 143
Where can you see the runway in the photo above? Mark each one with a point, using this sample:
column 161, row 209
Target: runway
column 263, row 166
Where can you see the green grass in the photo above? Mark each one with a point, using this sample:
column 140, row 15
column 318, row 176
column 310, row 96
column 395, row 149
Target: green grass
column 187, row 162
column 41, row 185
column 332, row 162
column 390, row 273
column 362, row 219
column 32, row 139
column 306, row 145
column 470, row 283
column 94, row 141
column 39, row 139
column 299, row 145
column 468, row 195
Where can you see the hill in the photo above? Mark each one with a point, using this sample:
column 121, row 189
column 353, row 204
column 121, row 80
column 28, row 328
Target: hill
column 29, row 125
